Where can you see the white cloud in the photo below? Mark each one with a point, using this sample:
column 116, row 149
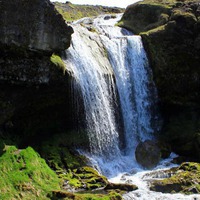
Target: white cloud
column 119, row 3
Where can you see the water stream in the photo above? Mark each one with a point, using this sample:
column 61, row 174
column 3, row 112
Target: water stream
column 109, row 64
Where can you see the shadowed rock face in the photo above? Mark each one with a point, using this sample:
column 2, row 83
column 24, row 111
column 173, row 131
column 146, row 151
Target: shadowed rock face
column 33, row 25
column 35, row 95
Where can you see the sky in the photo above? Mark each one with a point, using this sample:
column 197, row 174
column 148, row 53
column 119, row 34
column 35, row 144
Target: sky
column 117, row 3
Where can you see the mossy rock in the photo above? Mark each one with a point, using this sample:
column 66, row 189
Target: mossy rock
column 121, row 186
column 141, row 17
column 84, row 178
column 170, row 33
column 168, row 29
column 185, row 180
column 25, row 175
column 59, row 150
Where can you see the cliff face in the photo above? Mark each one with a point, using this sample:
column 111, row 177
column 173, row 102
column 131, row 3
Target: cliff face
column 34, row 93
column 171, row 35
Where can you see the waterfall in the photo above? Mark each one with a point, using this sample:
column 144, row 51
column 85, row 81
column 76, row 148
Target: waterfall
column 106, row 65
column 91, row 69
column 111, row 69
column 134, row 82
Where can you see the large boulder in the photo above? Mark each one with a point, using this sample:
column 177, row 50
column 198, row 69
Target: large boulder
column 170, row 31
column 34, row 25
column 148, row 154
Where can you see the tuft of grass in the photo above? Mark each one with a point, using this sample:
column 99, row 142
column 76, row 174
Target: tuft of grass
column 57, row 60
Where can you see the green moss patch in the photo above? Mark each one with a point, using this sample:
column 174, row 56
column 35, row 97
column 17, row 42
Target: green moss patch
column 186, row 180
column 98, row 195
column 25, row 175
column 57, row 60
column 84, row 178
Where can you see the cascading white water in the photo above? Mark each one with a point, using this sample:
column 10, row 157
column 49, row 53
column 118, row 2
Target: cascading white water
column 133, row 79
column 124, row 58
column 87, row 59
column 93, row 74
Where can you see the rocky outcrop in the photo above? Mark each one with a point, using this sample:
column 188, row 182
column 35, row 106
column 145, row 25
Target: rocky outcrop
column 184, row 179
column 34, row 93
column 171, row 32
column 148, row 154
column 33, row 25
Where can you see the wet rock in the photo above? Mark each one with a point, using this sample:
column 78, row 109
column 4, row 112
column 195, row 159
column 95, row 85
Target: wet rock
column 165, row 149
column 121, row 186
column 186, row 179
column 57, row 194
column 148, row 154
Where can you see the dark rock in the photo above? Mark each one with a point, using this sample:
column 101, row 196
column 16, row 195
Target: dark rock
column 148, row 154
column 35, row 94
column 165, row 149
column 34, row 25
column 120, row 186
column 58, row 194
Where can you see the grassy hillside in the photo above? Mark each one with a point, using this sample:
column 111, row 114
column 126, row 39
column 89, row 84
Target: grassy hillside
column 71, row 12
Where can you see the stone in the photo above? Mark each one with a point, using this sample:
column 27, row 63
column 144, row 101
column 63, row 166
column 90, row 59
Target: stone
column 34, row 93
column 186, row 179
column 34, row 25
column 148, row 154
column 121, row 186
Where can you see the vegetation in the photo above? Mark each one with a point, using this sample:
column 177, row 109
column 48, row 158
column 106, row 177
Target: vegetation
column 185, row 180
column 25, row 175
column 57, row 60
column 72, row 12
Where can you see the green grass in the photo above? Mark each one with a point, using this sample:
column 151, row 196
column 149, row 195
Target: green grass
column 72, row 12
column 25, row 175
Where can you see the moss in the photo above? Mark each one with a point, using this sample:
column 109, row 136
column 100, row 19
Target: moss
column 23, row 174
column 84, row 178
column 59, row 151
column 56, row 60
column 134, row 19
column 112, row 195
column 185, row 180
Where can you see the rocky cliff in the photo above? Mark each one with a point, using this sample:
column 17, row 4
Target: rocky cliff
column 33, row 90
column 171, row 35
column 33, row 25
